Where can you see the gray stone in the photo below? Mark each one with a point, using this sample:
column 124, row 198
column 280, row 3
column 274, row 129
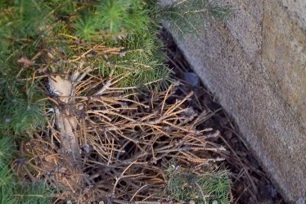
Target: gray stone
column 192, row 79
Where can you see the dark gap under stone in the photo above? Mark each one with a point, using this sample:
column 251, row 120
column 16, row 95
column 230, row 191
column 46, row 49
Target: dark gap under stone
column 250, row 184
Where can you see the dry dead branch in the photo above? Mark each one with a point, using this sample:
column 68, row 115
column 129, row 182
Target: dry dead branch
column 112, row 144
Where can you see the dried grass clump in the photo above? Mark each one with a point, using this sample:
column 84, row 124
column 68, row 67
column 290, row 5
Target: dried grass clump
column 114, row 144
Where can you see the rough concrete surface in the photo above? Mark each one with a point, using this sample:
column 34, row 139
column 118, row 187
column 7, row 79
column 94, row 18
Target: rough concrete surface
column 255, row 63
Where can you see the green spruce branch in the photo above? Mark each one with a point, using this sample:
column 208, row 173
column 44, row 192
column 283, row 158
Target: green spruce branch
column 203, row 188
column 191, row 16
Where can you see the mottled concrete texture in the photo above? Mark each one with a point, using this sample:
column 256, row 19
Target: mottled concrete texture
column 255, row 63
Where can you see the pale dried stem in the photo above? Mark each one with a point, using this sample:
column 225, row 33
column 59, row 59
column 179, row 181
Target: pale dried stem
column 131, row 139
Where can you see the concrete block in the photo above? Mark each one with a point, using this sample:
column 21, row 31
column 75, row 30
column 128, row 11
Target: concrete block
column 255, row 63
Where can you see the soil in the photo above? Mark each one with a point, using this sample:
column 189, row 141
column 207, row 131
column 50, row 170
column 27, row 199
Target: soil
column 250, row 184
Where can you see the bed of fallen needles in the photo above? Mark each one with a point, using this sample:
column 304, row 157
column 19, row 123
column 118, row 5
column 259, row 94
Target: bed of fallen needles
column 112, row 144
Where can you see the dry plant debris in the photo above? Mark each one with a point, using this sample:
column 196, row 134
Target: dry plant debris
column 113, row 144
